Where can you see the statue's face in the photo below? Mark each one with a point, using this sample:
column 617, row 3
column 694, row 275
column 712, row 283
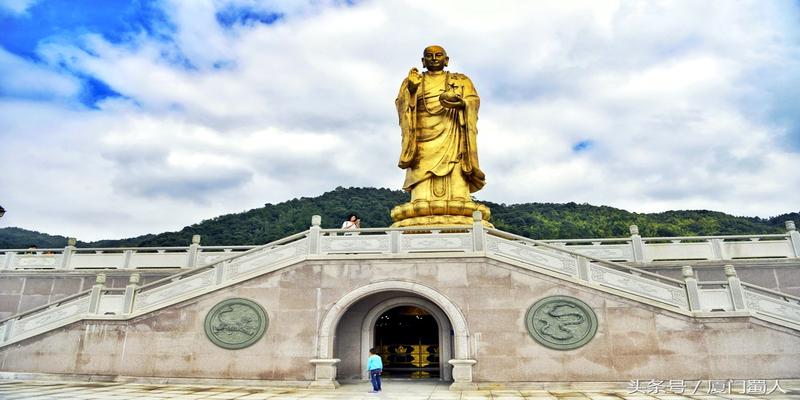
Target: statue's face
column 434, row 58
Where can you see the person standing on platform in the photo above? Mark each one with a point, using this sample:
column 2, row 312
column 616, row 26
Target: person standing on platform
column 352, row 222
column 375, row 367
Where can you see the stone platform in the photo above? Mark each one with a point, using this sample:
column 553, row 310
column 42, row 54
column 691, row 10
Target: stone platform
column 417, row 390
column 303, row 309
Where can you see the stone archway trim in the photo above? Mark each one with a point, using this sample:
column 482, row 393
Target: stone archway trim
column 327, row 328
column 325, row 364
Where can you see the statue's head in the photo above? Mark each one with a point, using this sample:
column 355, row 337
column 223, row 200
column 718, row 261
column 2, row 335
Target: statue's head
column 434, row 58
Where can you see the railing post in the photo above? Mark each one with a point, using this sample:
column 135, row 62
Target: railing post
column 735, row 288
column 692, row 289
column 637, row 244
column 313, row 234
column 97, row 292
column 127, row 256
column 583, row 268
column 11, row 256
column 717, row 251
column 191, row 257
column 794, row 237
column 66, row 257
column 9, row 329
column 130, row 292
column 219, row 272
column 394, row 240
column 478, row 235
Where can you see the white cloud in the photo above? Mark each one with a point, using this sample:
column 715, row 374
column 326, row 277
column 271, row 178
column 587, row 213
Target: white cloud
column 16, row 7
column 23, row 78
column 264, row 113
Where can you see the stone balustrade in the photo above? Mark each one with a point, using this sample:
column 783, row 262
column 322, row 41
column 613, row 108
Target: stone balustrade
column 633, row 249
column 220, row 268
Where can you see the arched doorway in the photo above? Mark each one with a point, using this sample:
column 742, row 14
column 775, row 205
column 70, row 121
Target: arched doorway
column 356, row 333
column 395, row 300
column 407, row 338
column 340, row 337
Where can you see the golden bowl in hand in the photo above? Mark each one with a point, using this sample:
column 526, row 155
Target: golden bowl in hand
column 451, row 99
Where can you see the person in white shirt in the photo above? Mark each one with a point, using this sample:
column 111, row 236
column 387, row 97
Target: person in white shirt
column 352, row 223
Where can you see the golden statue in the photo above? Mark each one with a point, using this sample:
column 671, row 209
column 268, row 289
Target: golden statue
column 438, row 113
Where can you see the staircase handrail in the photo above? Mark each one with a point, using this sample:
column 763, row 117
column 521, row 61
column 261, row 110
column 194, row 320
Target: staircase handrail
column 562, row 249
column 181, row 275
column 589, row 240
column 39, row 251
column 236, row 247
column 782, row 295
column 170, row 278
column 46, row 306
column 724, row 237
column 117, row 249
column 57, row 303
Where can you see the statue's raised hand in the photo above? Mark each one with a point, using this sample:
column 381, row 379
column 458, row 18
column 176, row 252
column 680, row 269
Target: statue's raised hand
column 414, row 79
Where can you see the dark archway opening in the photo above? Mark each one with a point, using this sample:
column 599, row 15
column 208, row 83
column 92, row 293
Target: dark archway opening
column 407, row 338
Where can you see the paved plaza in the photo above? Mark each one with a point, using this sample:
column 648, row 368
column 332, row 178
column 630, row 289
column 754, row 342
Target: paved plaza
column 355, row 391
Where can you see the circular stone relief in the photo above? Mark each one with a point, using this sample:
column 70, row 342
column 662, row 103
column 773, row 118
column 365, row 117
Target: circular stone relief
column 561, row 322
column 236, row 323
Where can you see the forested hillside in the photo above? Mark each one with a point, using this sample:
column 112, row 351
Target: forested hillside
column 534, row 220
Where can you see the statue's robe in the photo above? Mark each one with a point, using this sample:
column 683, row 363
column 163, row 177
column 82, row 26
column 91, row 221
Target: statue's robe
column 439, row 150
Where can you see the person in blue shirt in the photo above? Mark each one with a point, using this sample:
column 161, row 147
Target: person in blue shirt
column 375, row 367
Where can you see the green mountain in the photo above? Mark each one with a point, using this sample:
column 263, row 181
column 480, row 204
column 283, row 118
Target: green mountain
column 534, row 220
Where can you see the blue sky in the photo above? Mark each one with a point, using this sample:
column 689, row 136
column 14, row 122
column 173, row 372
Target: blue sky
column 126, row 117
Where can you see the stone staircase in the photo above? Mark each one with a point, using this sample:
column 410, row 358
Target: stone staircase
column 728, row 298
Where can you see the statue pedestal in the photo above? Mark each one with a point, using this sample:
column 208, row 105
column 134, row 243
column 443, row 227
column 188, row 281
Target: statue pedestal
column 439, row 212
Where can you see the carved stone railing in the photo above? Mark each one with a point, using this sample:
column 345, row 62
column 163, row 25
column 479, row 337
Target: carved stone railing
column 111, row 304
column 637, row 249
column 221, row 269
column 633, row 249
column 131, row 258
column 770, row 303
column 588, row 269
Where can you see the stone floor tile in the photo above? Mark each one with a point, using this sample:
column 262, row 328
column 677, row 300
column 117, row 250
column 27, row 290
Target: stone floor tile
column 561, row 394
column 229, row 395
column 679, row 397
column 395, row 390
column 145, row 398
column 572, row 397
column 705, row 397
column 782, row 397
column 539, row 397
